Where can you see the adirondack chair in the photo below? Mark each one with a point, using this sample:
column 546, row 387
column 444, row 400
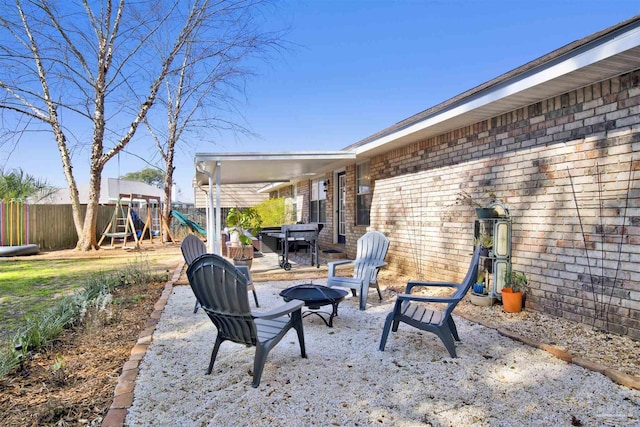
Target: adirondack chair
column 221, row 289
column 372, row 248
column 192, row 247
column 439, row 322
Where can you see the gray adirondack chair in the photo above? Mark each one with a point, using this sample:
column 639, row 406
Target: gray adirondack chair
column 372, row 248
column 192, row 247
column 221, row 289
column 408, row 310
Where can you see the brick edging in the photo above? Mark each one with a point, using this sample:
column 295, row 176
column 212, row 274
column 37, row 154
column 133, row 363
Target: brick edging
column 123, row 394
column 614, row 375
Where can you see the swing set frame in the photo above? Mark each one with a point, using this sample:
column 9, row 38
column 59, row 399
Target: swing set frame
column 123, row 227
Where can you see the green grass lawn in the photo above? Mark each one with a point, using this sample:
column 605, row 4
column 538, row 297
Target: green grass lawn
column 29, row 286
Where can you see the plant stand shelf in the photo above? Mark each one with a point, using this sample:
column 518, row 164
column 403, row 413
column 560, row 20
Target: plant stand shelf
column 496, row 262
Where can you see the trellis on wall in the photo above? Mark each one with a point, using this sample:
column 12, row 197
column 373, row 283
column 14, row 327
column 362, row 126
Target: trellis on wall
column 602, row 207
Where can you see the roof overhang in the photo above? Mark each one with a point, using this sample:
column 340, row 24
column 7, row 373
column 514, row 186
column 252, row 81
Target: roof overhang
column 569, row 68
column 250, row 168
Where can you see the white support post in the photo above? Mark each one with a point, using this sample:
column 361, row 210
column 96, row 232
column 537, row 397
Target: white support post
column 218, row 236
column 211, row 243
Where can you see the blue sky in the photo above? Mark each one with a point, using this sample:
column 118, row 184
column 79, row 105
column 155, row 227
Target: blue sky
column 358, row 66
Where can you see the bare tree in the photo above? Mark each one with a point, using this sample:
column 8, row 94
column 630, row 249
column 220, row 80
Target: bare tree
column 203, row 91
column 78, row 65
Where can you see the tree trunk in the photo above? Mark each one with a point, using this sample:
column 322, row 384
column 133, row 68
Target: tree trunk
column 166, row 209
column 87, row 240
column 67, row 168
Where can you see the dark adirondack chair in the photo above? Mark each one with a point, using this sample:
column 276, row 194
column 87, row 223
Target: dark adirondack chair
column 192, row 247
column 408, row 310
column 372, row 248
column 222, row 291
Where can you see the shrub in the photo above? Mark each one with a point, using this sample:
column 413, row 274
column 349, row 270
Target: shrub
column 272, row 212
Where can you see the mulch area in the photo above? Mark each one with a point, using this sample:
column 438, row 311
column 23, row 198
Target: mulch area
column 72, row 381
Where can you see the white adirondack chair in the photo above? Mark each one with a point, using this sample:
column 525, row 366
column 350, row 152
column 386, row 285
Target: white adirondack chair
column 372, row 248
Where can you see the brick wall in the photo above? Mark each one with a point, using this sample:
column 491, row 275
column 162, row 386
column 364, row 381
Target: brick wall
column 529, row 158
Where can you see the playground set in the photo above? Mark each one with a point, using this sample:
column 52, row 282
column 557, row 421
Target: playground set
column 193, row 226
column 127, row 225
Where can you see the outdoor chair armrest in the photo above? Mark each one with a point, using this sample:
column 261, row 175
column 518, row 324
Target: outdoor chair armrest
column 426, row 298
column 280, row 311
column 333, row 264
column 411, row 285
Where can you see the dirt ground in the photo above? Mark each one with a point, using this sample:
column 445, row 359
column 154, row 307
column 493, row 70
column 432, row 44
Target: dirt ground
column 71, row 381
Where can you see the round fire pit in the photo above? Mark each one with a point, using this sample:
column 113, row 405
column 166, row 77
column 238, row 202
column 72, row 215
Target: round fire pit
column 314, row 297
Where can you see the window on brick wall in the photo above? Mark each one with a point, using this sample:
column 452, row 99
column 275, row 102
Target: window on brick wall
column 363, row 191
column 317, row 207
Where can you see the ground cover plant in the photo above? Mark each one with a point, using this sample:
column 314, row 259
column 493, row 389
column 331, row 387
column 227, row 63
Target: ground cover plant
column 29, row 286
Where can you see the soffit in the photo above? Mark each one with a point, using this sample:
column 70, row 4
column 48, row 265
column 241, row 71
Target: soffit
column 249, row 168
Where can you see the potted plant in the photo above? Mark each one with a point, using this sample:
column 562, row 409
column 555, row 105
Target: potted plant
column 512, row 292
column 478, row 287
column 486, row 241
column 245, row 223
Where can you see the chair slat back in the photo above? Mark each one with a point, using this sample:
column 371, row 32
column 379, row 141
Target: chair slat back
column 192, row 247
column 372, row 248
column 467, row 282
column 221, row 289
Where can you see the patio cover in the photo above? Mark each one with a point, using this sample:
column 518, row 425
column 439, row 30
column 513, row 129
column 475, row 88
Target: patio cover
column 215, row 169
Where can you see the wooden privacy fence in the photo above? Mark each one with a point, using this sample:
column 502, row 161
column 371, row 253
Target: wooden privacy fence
column 51, row 226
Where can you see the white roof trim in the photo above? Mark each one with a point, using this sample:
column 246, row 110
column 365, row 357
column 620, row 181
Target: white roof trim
column 566, row 64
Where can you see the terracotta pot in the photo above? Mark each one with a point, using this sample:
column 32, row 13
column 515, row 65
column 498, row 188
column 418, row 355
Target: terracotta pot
column 511, row 301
